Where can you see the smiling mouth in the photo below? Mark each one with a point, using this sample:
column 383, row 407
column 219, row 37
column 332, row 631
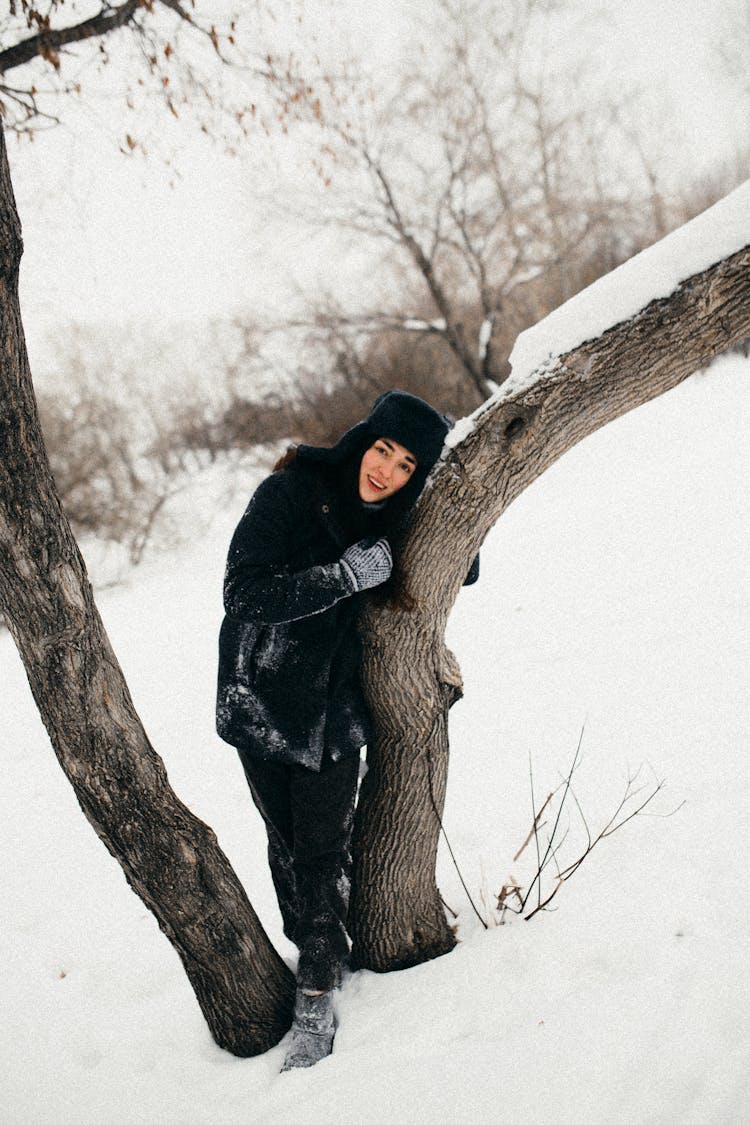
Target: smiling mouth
column 375, row 484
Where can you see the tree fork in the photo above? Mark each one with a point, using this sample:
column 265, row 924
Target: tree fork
column 516, row 436
column 170, row 857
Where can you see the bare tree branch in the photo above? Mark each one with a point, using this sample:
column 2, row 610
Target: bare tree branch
column 49, row 41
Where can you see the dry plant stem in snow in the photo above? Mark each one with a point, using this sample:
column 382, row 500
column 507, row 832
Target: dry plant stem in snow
column 634, row 801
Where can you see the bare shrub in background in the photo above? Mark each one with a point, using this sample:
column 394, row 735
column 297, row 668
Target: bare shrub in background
column 343, row 372
column 486, row 186
column 128, row 420
column 131, row 416
column 111, row 484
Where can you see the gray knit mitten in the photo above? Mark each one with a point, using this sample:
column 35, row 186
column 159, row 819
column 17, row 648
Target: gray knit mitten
column 367, row 563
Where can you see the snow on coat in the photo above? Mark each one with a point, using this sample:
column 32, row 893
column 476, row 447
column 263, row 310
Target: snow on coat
column 289, row 653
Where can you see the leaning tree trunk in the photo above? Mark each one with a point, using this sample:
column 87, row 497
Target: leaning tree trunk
column 410, row 676
column 170, row 857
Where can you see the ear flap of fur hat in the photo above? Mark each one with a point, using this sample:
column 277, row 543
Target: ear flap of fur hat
column 352, row 444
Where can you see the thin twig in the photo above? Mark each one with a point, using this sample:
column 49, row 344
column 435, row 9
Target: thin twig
column 534, row 828
column 450, row 909
column 540, row 866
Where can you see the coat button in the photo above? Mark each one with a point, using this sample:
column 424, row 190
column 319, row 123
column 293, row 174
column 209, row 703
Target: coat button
column 326, row 509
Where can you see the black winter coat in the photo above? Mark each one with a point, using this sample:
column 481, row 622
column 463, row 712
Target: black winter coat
column 289, row 653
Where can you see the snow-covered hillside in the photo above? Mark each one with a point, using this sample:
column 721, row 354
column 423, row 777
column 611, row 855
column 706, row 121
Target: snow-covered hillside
column 614, row 592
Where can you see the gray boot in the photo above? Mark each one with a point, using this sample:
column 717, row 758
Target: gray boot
column 312, row 1030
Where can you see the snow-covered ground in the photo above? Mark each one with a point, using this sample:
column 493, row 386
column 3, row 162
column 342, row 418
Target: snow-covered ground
column 614, row 592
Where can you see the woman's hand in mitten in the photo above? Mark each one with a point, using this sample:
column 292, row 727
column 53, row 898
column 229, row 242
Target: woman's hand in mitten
column 367, row 563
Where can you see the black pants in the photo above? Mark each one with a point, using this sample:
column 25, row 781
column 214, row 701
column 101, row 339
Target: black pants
column 308, row 818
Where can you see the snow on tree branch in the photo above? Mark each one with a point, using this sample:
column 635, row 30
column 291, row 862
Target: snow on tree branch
column 653, row 274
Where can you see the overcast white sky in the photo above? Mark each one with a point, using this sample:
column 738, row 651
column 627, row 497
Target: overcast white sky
column 115, row 237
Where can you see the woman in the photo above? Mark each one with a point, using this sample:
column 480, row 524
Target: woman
column 313, row 538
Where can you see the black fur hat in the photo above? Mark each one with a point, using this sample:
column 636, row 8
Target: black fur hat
column 411, row 422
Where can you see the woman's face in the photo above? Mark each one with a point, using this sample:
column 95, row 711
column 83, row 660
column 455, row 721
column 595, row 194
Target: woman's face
column 385, row 468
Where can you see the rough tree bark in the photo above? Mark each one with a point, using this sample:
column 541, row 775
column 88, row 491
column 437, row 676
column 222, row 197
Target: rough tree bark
column 170, row 858
column 411, row 678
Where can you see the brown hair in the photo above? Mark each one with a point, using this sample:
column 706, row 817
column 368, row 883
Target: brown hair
column 286, row 458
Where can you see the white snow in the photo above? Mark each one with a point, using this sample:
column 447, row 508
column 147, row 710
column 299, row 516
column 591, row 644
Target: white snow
column 413, row 324
column 485, row 335
column 656, row 272
column 460, row 430
column 614, row 592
